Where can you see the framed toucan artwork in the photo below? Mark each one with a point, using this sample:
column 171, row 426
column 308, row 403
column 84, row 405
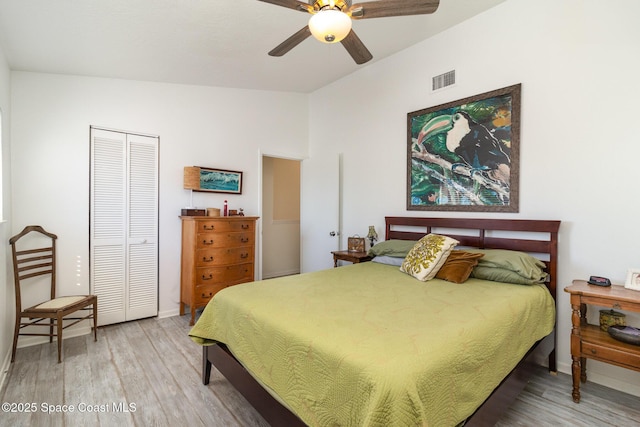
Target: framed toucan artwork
column 464, row 155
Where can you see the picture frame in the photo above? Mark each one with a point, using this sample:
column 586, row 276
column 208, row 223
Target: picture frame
column 633, row 279
column 464, row 155
column 219, row 181
column 355, row 244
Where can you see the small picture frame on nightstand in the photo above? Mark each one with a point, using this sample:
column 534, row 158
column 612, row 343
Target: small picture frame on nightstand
column 633, row 279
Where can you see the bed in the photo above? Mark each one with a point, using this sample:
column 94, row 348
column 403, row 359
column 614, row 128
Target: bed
column 366, row 344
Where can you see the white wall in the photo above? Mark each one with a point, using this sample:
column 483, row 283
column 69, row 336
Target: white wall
column 202, row 126
column 578, row 64
column 6, row 278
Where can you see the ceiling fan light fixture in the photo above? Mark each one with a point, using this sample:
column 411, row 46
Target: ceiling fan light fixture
column 330, row 25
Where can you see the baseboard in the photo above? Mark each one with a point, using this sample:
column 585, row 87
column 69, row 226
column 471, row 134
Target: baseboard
column 605, row 380
column 168, row 313
column 273, row 275
column 5, row 369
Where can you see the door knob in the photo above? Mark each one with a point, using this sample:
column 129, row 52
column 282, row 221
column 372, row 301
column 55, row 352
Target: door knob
column 333, row 234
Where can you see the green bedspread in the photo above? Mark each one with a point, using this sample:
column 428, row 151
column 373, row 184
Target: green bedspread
column 367, row 345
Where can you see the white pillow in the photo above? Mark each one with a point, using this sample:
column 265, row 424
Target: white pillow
column 389, row 260
column 427, row 256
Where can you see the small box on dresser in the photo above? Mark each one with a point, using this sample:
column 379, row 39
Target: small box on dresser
column 216, row 252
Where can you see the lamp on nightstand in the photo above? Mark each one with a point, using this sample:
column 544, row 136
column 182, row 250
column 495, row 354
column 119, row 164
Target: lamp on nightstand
column 372, row 235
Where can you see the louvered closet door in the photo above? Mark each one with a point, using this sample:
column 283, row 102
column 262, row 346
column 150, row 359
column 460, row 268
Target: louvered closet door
column 142, row 230
column 124, row 225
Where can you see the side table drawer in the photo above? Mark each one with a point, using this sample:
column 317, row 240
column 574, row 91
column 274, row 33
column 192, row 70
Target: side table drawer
column 607, row 354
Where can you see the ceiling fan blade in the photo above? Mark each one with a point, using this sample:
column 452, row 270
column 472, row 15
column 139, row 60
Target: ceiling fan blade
column 382, row 8
column 356, row 48
column 291, row 4
column 291, row 42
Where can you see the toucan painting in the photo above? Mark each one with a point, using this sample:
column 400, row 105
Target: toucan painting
column 463, row 155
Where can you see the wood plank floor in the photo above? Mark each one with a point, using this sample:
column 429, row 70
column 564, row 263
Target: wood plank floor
column 147, row 373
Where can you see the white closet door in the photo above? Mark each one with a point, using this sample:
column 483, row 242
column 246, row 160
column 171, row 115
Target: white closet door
column 108, row 222
column 142, row 234
column 124, row 225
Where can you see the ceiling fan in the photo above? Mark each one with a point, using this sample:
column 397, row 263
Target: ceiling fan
column 331, row 21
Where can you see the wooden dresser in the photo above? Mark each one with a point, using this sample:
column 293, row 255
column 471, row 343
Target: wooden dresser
column 216, row 252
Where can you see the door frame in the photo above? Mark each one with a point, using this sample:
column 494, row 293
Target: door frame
column 261, row 156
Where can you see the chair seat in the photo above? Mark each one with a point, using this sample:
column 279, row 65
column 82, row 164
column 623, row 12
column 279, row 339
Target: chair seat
column 59, row 303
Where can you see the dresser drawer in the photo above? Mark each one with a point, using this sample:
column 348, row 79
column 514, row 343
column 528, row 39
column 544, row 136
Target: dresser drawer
column 609, row 354
column 225, row 225
column 206, row 292
column 224, row 256
column 223, row 240
column 230, row 274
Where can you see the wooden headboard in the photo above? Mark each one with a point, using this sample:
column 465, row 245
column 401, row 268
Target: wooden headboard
column 538, row 237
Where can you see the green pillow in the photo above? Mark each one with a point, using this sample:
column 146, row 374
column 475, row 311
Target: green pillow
column 394, row 248
column 497, row 274
column 521, row 263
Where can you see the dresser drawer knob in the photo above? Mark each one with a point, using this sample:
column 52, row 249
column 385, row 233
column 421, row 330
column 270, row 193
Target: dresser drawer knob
column 617, row 305
column 244, row 255
column 244, row 240
column 245, row 226
column 593, row 351
column 208, row 227
column 205, row 259
column 207, row 278
column 207, row 296
column 210, row 242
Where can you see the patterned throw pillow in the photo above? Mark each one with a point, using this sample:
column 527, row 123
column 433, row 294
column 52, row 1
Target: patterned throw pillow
column 427, row 256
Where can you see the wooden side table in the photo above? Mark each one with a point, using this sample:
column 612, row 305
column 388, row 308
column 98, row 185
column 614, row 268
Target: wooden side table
column 589, row 341
column 354, row 257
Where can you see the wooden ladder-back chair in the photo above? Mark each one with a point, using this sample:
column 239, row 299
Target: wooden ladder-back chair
column 30, row 263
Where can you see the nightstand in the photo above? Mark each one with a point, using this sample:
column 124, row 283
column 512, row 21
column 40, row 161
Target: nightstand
column 354, row 257
column 589, row 341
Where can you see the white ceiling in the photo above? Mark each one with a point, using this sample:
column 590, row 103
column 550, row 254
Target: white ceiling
column 199, row 42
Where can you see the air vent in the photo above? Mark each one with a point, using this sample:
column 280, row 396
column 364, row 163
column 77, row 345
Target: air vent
column 444, row 80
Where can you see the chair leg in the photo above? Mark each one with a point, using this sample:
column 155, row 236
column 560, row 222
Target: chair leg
column 15, row 338
column 50, row 330
column 59, row 338
column 95, row 320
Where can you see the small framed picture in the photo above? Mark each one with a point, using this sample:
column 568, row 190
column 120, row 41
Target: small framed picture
column 198, row 178
column 633, row 279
